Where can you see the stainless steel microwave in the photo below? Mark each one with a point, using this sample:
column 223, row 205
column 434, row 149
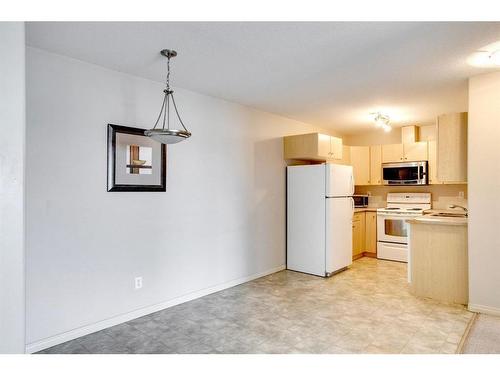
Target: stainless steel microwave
column 407, row 173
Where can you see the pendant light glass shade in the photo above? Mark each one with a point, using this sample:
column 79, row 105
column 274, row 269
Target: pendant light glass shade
column 165, row 134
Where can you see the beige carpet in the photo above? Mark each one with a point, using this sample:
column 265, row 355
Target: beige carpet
column 484, row 336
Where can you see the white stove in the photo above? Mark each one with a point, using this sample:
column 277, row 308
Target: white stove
column 392, row 229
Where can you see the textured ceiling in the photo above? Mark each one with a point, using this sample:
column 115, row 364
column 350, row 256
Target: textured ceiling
column 331, row 74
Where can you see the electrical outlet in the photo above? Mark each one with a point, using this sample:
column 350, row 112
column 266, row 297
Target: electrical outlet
column 461, row 195
column 138, row 282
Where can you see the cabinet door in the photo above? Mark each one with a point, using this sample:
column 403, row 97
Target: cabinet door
column 432, row 150
column 358, row 234
column 336, row 148
column 416, row 151
column 371, row 232
column 303, row 146
column 375, row 165
column 360, row 161
column 452, row 148
column 324, row 146
column 392, row 153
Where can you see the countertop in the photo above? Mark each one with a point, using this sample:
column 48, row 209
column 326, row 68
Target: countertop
column 365, row 209
column 440, row 220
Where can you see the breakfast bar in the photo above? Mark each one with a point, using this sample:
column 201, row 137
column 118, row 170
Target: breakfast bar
column 438, row 260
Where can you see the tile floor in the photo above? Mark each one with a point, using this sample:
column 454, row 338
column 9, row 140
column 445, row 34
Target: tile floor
column 366, row 309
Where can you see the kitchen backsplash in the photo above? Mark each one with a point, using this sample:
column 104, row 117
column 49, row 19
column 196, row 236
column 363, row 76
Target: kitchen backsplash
column 442, row 195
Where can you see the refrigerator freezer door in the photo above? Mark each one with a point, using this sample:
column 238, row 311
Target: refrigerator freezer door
column 306, row 219
column 339, row 215
column 339, row 180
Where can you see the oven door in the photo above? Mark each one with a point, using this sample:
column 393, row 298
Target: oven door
column 412, row 173
column 392, row 228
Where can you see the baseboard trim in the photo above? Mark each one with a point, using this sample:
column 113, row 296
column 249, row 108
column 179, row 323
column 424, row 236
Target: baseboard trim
column 94, row 327
column 484, row 309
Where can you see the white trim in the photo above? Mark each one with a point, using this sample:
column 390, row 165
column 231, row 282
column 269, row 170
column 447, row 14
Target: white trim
column 484, row 309
column 94, row 327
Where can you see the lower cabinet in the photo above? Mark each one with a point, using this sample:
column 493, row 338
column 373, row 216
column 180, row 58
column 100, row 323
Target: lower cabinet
column 371, row 233
column 358, row 235
column 364, row 234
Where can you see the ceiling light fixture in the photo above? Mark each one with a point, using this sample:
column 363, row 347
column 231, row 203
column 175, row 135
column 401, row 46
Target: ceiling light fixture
column 486, row 57
column 167, row 135
column 495, row 58
column 382, row 121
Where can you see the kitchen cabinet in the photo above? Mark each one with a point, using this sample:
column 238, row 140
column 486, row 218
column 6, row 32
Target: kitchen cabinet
column 392, row 153
column 360, row 161
column 414, row 151
column 313, row 146
column 371, row 233
column 375, row 165
column 358, row 235
column 367, row 164
column 432, row 150
column 336, row 149
column 346, row 155
column 452, row 148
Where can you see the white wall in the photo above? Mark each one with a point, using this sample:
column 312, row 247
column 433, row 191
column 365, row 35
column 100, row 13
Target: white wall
column 222, row 217
column 484, row 188
column 12, row 130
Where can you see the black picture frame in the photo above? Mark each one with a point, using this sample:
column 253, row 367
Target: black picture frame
column 112, row 186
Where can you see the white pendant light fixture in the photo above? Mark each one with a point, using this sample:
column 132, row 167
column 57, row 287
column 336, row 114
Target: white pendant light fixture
column 165, row 134
column 382, row 121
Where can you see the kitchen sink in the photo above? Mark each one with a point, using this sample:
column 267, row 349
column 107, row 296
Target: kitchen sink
column 448, row 214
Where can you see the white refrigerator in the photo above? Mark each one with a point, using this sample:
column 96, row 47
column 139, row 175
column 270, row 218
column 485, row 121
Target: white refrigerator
column 320, row 210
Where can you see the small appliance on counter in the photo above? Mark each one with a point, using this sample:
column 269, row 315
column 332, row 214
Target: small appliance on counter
column 360, row 200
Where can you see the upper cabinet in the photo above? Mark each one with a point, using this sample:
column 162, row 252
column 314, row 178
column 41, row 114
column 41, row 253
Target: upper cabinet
column 366, row 162
column 413, row 151
column 432, row 150
column 452, row 148
column 392, row 153
column 376, row 165
column 313, row 146
column 360, row 161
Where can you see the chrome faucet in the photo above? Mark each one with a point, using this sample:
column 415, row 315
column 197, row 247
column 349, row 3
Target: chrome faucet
column 462, row 207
